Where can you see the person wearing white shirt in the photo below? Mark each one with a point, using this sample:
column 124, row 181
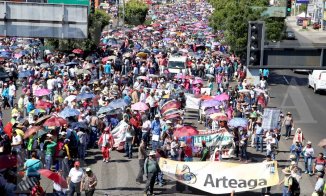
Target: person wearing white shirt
column 74, row 179
column 12, row 94
column 271, row 146
column 308, row 153
column 16, row 141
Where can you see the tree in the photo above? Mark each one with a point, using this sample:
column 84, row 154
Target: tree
column 232, row 16
column 135, row 12
column 97, row 22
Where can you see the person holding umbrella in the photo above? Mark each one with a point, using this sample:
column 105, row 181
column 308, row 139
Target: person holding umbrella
column 89, row 182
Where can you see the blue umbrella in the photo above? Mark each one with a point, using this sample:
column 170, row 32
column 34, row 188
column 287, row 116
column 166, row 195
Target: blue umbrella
column 85, row 96
column 238, row 122
column 105, row 109
column 118, row 103
column 70, row 64
column 80, row 125
column 68, row 112
column 25, row 74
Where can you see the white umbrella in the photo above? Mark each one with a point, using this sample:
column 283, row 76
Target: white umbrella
column 70, row 98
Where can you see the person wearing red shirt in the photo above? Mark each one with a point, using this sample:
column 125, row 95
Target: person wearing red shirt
column 320, row 164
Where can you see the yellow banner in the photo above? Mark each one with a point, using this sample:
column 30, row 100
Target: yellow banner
column 222, row 177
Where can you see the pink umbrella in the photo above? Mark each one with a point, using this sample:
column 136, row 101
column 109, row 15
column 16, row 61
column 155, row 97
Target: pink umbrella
column 222, row 97
column 42, row 92
column 197, row 81
column 140, row 106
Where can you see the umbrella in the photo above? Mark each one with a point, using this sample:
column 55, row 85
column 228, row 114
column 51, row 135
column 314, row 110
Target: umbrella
column 89, row 66
column 140, row 106
column 70, row 98
column 322, row 143
column 172, row 104
column 222, row 97
column 83, row 72
column 37, row 111
column 210, row 76
column 185, row 131
column 43, row 105
column 128, row 54
column 40, row 133
column 238, row 122
column 244, row 91
column 259, row 90
column 68, row 112
column 54, row 177
column 32, row 130
column 42, row 92
column 42, row 119
column 197, row 81
column 55, row 122
column 219, row 116
column 142, row 78
column 8, row 129
column 78, row 51
column 85, row 96
column 111, row 57
column 211, row 103
column 8, row 161
column 171, row 116
column 104, row 110
column 71, row 64
column 81, row 125
column 142, row 55
column 153, row 76
column 45, row 65
column 118, row 103
column 25, row 74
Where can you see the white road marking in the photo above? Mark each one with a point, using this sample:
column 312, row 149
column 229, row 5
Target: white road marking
column 286, row 80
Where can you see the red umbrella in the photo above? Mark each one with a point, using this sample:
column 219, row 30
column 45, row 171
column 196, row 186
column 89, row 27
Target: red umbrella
column 43, row 105
column 8, row 129
column 169, row 105
column 7, row 161
column 32, row 130
column 54, row 177
column 78, row 51
column 185, row 131
column 55, row 122
column 171, row 116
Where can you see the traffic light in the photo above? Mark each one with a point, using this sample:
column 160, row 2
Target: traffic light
column 255, row 45
column 92, row 8
column 288, row 7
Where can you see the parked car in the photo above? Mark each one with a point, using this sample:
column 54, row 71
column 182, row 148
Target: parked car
column 317, row 80
column 290, row 35
column 300, row 22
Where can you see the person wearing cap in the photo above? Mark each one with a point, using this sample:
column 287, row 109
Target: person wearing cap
column 271, row 144
column 74, row 179
column 320, row 185
column 259, row 133
column 308, row 153
column 49, row 146
column 289, row 183
column 288, row 123
column 151, row 169
column 106, row 143
column 89, row 182
column 320, row 164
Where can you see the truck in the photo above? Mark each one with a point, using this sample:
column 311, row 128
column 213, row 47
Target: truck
column 177, row 64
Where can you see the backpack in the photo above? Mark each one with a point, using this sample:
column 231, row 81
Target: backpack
column 295, row 188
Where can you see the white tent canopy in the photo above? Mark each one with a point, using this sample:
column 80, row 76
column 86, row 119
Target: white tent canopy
column 303, row 15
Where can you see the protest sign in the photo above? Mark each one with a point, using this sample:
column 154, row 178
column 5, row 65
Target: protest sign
column 222, row 177
column 270, row 118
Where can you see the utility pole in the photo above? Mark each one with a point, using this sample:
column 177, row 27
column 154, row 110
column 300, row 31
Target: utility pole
column 322, row 15
column 123, row 12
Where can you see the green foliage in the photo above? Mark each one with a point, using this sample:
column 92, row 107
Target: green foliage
column 232, row 16
column 97, row 22
column 135, row 12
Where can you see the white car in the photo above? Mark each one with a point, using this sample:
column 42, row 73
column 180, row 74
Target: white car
column 317, row 80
